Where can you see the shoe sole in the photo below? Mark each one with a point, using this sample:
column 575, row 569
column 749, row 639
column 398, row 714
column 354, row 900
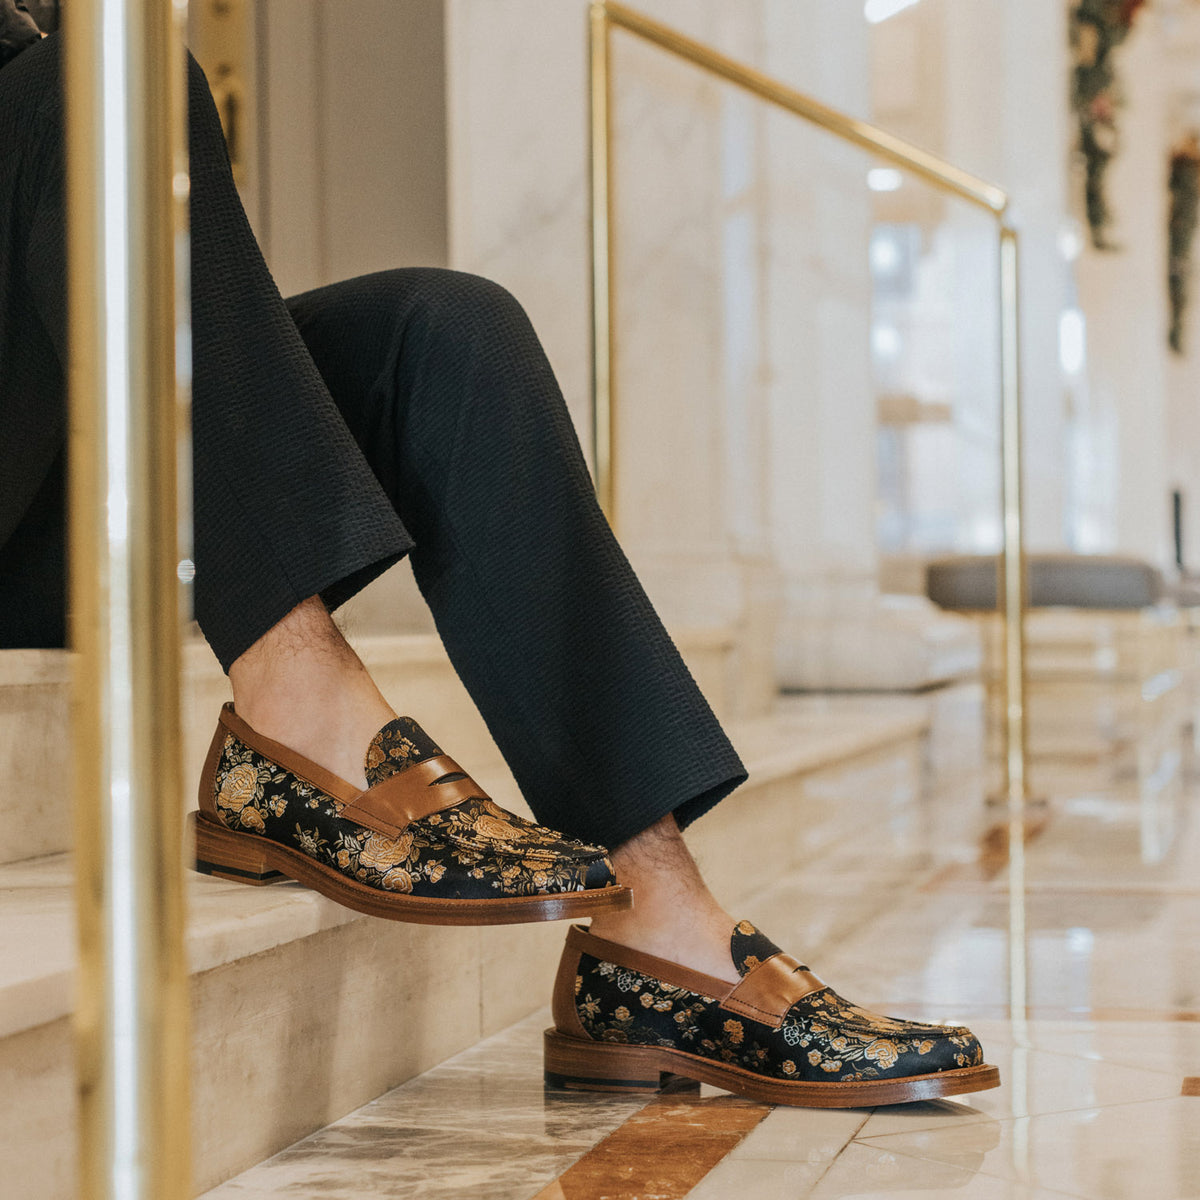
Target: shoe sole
column 247, row 858
column 576, row 1065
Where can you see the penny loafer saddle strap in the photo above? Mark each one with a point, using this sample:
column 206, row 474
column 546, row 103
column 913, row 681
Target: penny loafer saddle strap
column 415, row 792
column 768, row 990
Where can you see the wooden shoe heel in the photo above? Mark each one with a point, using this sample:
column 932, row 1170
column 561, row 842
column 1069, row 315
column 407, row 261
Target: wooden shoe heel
column 229, row 855
column 601, row 1067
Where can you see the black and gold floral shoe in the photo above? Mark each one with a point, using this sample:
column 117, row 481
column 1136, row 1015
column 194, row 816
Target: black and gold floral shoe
column 625, row 1021
column 422, row 843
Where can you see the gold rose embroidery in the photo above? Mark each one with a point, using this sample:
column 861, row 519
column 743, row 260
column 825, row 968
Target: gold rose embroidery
column 238, row 788
column 251, row 818
column 382, row 852
column 470, row 838
column 493, row 828
column 398, row 880
column 883, row 1052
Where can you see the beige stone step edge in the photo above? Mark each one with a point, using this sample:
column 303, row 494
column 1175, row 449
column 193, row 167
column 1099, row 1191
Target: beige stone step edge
column 302, row 1011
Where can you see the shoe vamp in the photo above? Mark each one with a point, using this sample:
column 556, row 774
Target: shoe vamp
column 431, row 866
column 482, row 825
column 827, row 1005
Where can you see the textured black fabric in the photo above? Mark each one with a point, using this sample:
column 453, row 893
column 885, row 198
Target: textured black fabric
column 288, row 504
column 451, row 426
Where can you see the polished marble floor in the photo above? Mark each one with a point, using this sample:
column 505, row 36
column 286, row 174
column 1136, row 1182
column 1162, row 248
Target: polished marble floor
column 915, row 911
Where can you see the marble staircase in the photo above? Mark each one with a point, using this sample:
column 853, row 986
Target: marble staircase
column 302, row 1010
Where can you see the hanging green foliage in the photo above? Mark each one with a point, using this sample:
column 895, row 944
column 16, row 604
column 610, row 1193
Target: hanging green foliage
column 1184, row 186
column 1098, row 27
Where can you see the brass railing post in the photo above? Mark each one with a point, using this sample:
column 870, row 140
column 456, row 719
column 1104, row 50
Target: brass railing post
column 127, row 203
column 1012, row 572
column 1013, row 599
column 602, row 258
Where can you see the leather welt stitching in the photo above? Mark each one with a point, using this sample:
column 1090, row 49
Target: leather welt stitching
column 753, row 1007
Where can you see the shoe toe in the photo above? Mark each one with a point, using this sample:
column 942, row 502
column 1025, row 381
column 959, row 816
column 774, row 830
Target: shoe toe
column 948, row 1050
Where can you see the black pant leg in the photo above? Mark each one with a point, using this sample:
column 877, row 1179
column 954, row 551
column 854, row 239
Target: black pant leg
column 32, row 412
column 446, row 387
column 285, row 504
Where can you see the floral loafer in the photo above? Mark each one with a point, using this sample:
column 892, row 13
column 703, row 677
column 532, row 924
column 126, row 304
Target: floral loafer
column 625, row 1021
column 422, row 843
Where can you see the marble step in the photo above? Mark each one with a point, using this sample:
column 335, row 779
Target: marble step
column 302, row 1010
column 411, row 669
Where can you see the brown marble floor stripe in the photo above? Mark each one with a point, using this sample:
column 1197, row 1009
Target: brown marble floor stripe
column 663, row 1151
column 1191, row 1085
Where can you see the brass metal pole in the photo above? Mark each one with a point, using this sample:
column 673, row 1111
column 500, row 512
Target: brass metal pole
column 1013, row 581
column 601, row 223
column 127, row 198
column 1012, row 572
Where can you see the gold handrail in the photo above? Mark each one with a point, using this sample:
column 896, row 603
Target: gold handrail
column 605, row 15
column 127, row 179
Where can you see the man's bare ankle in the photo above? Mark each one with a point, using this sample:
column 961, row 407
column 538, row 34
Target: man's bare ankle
column 302, row 685
column 674, row 915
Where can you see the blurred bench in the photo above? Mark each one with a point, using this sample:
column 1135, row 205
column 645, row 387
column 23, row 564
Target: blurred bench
column 1112, row 669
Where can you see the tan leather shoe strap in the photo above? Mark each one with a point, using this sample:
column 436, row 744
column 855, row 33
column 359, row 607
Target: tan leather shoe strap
column 411, row 794
column 770, row 989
